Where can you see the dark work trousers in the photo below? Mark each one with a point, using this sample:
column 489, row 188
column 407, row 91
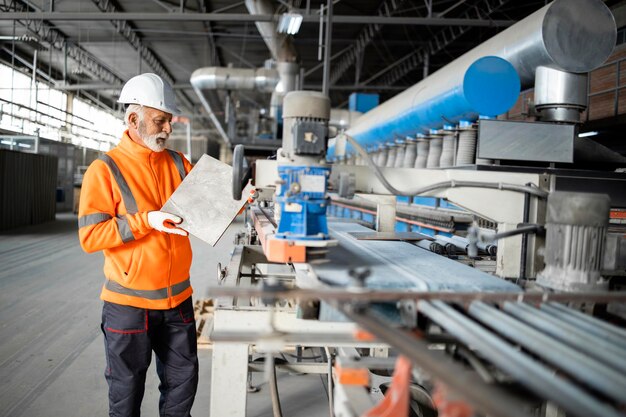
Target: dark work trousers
column 130, row 336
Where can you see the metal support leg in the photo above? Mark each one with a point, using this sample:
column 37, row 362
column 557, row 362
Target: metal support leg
column 229, row 376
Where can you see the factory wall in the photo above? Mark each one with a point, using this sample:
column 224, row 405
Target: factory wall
column 71, row 159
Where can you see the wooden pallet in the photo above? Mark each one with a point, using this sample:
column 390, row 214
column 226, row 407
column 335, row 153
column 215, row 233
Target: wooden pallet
column 203, row 312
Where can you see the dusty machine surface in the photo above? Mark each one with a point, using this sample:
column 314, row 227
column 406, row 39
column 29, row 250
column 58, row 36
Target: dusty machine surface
column 444, row 260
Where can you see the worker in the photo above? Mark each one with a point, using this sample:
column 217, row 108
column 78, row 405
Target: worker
column 146, row 293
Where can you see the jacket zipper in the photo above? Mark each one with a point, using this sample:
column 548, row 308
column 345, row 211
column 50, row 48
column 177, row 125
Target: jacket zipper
column 169, row 240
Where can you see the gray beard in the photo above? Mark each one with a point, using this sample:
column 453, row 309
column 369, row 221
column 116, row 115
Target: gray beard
column 155, row 143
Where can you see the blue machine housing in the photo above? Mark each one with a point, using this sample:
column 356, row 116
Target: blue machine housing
column 303, row 212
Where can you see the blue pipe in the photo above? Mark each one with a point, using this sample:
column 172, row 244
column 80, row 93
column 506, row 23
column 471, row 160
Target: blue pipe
column 490, row 86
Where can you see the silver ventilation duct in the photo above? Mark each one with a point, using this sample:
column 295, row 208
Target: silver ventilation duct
column 206, row 80
column 220, row 78
column 280, row 45
column 282, row 49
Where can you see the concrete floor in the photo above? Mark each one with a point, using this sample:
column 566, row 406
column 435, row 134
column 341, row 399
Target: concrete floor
column 51, row 349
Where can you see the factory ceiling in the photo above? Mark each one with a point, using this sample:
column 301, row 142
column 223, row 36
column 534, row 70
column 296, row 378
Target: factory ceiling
column 379, row 46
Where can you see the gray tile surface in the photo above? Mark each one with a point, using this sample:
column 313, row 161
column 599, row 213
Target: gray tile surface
column 204, row 200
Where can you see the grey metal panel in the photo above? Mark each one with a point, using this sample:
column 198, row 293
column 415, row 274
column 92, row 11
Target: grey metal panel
column 525, row 141
column 400, row 265
column 614, row 187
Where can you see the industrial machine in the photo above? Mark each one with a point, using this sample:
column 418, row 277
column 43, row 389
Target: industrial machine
column 469, row 254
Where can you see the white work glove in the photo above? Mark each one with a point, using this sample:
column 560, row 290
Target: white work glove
column 166, row 223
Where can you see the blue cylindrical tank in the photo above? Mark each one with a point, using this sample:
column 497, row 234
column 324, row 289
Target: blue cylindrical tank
column 488, row 86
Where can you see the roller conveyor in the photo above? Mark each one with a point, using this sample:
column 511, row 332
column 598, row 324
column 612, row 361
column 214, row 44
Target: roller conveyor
column 585, row 381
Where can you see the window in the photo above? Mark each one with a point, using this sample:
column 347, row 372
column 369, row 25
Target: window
column 27, row 109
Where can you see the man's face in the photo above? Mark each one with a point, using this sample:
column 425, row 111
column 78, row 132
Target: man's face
column 155, row 128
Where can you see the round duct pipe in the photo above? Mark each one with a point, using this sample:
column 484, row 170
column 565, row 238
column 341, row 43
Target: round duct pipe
column 570, row 35
column 560, row 96
column 224, row 78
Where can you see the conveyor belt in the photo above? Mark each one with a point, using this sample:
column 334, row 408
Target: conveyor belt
column 400, row 265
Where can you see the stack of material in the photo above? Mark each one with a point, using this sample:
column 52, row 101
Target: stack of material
column 27, row 188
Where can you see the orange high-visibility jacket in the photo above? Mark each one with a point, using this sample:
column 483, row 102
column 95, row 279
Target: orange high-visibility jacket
column 143, row 267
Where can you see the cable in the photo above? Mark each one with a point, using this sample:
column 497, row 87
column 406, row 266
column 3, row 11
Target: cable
column 531, row 228
column 315, row 357
column 271, row 367
column 267, row 216
column 445, row 184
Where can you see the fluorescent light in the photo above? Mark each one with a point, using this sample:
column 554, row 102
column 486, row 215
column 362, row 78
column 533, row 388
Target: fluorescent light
column 587, row 134
column 6, row 142
column 23, row 145
column 290, row 23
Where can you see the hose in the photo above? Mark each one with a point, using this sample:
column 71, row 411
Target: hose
column 273, row 383
column 533, row 190
column 531, row 228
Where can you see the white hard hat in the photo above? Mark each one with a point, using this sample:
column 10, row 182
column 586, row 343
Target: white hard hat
column 149, row 90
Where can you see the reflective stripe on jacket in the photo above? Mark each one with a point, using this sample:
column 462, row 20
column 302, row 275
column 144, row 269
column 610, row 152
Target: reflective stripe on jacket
column 143, row 267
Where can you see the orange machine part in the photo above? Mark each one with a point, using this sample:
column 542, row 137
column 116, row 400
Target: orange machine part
column 449, row 406
column 284, row 251
column 396, row 401
column 352, row 376
column 363, row 336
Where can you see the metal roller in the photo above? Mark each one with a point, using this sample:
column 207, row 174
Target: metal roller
column 587, row 370
column 519, row 365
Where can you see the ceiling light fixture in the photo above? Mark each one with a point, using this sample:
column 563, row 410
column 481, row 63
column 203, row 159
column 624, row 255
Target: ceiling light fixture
column 587, row 134
column 290, row 23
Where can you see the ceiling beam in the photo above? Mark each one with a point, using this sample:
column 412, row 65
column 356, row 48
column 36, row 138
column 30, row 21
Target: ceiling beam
column 58, row 40
column 438, row 42
column 127, row 30
column 363, row 39
column 242, row 17
column 182, row 86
